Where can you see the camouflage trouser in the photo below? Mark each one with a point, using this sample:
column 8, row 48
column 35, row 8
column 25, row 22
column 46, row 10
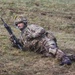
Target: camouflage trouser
column 50, row 47
column 46, row 46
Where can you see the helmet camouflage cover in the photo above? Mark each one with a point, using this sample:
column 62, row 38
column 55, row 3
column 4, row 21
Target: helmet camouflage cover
column 20, row 19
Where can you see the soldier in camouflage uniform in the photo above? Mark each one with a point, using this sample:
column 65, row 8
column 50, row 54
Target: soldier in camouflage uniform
column 37, row 39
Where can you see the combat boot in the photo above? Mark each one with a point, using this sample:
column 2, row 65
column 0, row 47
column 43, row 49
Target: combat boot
column 71, row 57
column 65, row 60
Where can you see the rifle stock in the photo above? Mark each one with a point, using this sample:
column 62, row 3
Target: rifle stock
column 15, row 40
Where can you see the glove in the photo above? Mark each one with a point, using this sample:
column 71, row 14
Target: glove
column 65, row 60
column 12, row 41
column 11, row 38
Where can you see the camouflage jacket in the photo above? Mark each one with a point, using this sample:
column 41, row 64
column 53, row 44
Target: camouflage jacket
column 31, row 34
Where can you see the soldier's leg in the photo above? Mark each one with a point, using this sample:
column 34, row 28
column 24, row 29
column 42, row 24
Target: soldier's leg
column 71, row 56
column 51, row 48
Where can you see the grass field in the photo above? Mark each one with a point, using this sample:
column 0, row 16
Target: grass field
column 58, row 16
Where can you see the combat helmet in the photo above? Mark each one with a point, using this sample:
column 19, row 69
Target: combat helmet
column 20, row 19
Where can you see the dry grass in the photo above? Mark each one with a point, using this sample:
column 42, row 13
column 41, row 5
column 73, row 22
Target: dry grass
column 58, row 16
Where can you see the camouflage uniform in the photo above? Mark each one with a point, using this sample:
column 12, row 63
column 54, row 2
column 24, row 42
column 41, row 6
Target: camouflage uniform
column 35, row 38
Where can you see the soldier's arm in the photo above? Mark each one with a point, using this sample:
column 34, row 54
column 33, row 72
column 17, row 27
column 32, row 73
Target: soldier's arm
column 34, row 31
column 38, row 31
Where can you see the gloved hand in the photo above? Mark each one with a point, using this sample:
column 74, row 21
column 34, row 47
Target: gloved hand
column 13, row 43
column 65, row 60
column 11, row 38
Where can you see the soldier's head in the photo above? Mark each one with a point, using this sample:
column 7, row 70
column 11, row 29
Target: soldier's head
column 21, row 22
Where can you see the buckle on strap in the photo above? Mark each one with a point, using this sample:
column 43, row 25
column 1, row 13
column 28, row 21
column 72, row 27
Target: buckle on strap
column 53, row 51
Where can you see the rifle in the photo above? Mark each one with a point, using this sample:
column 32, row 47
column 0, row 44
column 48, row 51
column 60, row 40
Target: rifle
column 15, row 40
